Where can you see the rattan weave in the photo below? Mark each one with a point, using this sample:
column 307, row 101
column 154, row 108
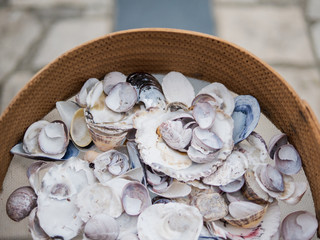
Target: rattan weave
column 160, row 51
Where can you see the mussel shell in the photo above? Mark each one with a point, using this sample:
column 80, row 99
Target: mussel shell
column 246, row 116
column 141, row 80
column 288, row 160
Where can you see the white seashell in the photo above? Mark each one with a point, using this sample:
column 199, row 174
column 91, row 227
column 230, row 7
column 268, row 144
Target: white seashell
column 234, row 186
column 30, row 139
column 204, row 114
column 176, row 189
column 94, row 95
column 111, row 79
column 35, row 228
column 101, row 226
column 96, row 198
column 81, row 97
column 58, row 218
column 236, row 196
column 79, row 131
column 176, row 80
column 122, row 97
column 53, row 138
column 169, row 221
column 222, row 95
column 233, row 168
column 35, row 177
column 128, row 227
column 66, row 111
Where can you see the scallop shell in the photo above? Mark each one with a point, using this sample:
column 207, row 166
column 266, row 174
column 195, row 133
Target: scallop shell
column 169, row 221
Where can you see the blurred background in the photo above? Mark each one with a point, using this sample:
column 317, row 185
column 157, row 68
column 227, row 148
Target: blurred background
column 284, row 33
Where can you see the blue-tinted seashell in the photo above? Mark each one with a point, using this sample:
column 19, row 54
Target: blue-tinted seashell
column 72, row 151
column 246, row 116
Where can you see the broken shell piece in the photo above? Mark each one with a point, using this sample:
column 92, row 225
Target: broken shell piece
column 250, row 215
column 257, row 141
column 34, row 226
column 79, row 131
column 299, row 191
column 252, row 190
column 236, row 196
column 176, row 80
column 287, row 159
column 148, row 88
column 271, row 178
column 66, row 111
column 234, row 167
column 264, row 231
column 176, row 106
column 169, row 221
column 222, row 95
column 135, row 198
column 101, row 226
column 30, row 138
column 53, row 138
column 81, row 97
column 206, row 140
column 96, row 198
column 128, row 227
column 101, row 163
column 36, row 172
column 121, row 98
column 119, row 163
column 111, row 79
column 246, row 115
column 300, row 225
column 175, row 190
column 234, row 186
column 199, row 157
column 204, row 114
column 175, row 135
column 211, row 205
column 20, row 203
column 275, row 142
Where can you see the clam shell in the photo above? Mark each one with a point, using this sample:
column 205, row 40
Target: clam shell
column 271, row 178
column 66, row 111
column 246, row 116
column 34, row 226
column 299, row 190
column 111, row 79
column 288, row 160
column 234, row 186
column 79, row 131
column 222, row 95
column 176, row 80
column 204, row 114
column 205, row 98
column 250, row 221
column 275, row 142
column 252, row 190
column 175, row 190
column 101, row 226
column 81, row 97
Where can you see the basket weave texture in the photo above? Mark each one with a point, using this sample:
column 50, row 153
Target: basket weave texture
column 160, row 51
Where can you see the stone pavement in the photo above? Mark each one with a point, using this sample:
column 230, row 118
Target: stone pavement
column 284, row 33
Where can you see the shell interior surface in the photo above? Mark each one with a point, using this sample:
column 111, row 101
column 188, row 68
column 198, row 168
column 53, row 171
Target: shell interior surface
column 81, row 97
column 169, row 221
column 246, row 115
column 111, row 79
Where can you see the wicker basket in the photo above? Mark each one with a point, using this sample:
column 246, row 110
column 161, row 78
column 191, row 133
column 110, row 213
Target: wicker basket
column 160, row 51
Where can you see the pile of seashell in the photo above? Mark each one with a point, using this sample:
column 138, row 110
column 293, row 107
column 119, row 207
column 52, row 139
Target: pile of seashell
column 144, row 160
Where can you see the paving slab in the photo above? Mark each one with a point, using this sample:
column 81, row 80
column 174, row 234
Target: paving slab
column 306, row 82
column 313, row 9
column 12, row 86
column 276, row 34
column 182, row 14
column 18, row 31
column 315, row 32
column 67, row 34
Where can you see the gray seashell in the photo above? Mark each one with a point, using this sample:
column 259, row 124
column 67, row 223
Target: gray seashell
column 300, row 225
column 20, row 203
column 205, row 98
column 81, row 97
column 204, row 114
column 246, row 116
column 275, row 142
column 271, row 178
column 111, row 79
column 234, row 186
column 288, row 160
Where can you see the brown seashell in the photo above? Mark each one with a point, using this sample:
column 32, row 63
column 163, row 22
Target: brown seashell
column 250, row 221
column 251, row 189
